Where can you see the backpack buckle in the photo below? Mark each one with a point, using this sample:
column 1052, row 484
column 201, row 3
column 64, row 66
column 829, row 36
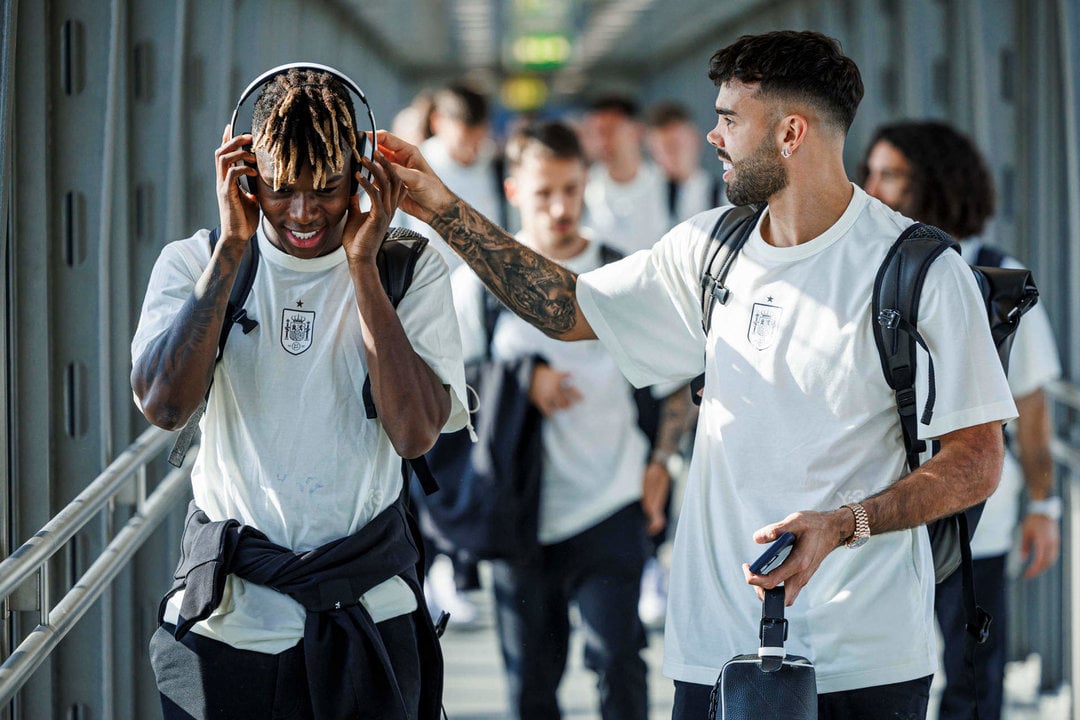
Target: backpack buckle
column 247, row 324
column 718, row 292
column 888, row 318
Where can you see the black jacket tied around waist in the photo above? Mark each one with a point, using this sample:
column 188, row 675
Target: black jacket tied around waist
column 348, row 668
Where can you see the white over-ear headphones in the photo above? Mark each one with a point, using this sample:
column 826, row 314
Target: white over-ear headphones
column 362, row 145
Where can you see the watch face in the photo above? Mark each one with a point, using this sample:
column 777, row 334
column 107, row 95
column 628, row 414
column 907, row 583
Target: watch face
column 858, row 542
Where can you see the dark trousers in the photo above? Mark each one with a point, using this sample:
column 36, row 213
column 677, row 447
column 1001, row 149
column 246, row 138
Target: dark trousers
column 989, row 680
column 600, row 571
column 202, row 679
column 898, row 701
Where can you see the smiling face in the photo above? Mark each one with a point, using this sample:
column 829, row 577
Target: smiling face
column 745, row 141
column 549, row 192
column 302, row 220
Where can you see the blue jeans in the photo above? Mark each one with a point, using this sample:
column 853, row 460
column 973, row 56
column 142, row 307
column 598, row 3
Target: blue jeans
column 600, row 570
column 898, row 701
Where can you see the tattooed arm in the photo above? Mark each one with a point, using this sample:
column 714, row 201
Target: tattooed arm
column 677, row 416
column 540, row 291
column 171, row 376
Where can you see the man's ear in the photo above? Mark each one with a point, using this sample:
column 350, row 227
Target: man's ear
column 510, row 187
column 792, row 130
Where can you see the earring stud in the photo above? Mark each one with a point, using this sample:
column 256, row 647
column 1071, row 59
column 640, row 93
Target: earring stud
column 785, row 153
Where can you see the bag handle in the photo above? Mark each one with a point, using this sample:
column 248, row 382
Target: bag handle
column 774, row 629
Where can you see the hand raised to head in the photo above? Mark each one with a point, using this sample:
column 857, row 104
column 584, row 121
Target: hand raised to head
column 364, row 231
column 426, row 195
column 238, row 210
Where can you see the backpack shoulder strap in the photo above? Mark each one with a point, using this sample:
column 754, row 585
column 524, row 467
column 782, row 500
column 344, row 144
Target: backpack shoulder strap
column 895, row 306
column 609, row 254
column 727, row 238
column 396, row 262
column 235, row 313
column 491, row 309
column 397, row 259
column 498, row 176
column 245, row 279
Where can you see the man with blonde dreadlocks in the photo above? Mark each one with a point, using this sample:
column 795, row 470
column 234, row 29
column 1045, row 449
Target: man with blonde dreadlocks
column 297, row 594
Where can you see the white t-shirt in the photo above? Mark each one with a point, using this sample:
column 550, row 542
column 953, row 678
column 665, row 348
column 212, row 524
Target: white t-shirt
column 796, row 415
column 1033, row 363
column 476, row 184
column 631, row 216
column 286, row 446
column 594, row 452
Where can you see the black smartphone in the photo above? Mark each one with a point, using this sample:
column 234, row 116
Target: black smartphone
column 773, row 555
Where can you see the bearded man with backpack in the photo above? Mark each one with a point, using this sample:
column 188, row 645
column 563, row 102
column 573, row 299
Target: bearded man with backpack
column 798, row 430
column 929, row 171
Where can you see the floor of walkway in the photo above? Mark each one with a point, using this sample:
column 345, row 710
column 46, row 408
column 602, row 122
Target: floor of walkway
column 476, row 689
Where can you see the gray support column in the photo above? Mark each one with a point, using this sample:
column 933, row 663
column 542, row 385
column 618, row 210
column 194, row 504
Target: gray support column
column 31, row 223
column 77, row 83
column 1068, row 20
column 177, row 158
column 8, row 16
column 922, row 41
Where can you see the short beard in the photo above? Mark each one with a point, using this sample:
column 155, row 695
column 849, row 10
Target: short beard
column 758, row 177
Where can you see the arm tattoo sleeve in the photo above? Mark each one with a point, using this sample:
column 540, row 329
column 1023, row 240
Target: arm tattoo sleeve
column 537, row 289
column 677, row 416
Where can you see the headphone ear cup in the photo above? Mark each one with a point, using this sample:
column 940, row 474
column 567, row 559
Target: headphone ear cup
column 354, row 184
column 246, row 183
column 361, row 150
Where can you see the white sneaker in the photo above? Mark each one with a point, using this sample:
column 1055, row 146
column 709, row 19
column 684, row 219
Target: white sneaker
column 652, row 604
column 441, row 594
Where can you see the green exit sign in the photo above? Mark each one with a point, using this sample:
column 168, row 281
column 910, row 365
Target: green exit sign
column 541, row 51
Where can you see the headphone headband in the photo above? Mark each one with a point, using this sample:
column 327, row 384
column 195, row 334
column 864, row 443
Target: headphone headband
column 342, row 77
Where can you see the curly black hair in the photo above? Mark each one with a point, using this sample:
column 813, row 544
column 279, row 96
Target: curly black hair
column 305, row 115
column 951, row 186
column 800, row 65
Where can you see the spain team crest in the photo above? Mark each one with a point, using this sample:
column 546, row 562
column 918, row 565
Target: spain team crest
column 764, row 324
column 296, row 329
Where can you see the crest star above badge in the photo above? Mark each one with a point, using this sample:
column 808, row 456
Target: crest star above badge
column 296, row 330
column 764, row 323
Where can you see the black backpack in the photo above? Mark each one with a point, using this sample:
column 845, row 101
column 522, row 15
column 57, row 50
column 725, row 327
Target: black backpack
column 396, row 261
column 1007, row 293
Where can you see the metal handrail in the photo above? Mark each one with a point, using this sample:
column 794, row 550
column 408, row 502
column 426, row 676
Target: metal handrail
column 1064, row 392
column 33, row 556
column 1065, row 453
column 36, row 551
column 41, row 641
column 1067, row 394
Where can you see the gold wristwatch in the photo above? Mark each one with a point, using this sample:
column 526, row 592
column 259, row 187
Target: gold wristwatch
column 862, row 526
